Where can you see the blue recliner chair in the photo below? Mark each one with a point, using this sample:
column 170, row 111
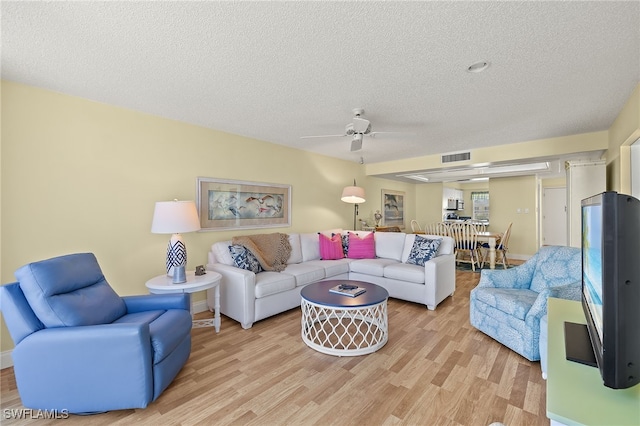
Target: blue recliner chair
column 82, row 348
column 508, row 304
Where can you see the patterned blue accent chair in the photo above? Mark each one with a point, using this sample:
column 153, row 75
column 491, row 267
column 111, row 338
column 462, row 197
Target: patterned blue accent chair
column 507, row 305
column 80, row 347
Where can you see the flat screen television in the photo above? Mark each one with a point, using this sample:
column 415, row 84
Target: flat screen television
column 611, row 286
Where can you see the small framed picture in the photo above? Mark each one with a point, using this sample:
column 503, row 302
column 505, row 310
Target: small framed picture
column 393, row 208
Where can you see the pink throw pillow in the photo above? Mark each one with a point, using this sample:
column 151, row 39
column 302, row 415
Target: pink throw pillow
column 330, row 247
column 361, row 248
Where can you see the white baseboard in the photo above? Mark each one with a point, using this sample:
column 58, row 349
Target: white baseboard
column 5, row 357
column 199, row 306
column 519, row 256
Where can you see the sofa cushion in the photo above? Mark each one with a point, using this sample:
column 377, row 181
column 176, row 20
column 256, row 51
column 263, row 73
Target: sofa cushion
column 305, row 273
column 389, row 244
column 244, row 259
column 296, row 249
column 332, row 267
column 361, row 248
column 268, row 283
column 69, row 291
column 373, row 267
column 330, row 247
column 221, row 252
column 310, row 247
column 423, row 250
column 514, row 302
column 405, row 272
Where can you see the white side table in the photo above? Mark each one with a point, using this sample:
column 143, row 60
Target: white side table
column 163, row 284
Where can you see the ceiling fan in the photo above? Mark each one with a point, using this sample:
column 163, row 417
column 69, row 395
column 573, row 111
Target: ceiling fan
column 356, row 130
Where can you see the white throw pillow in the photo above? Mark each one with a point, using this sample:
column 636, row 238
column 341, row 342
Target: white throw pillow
column 389, row 245
column 221, row 252
column 310, row 246
column 296, row 249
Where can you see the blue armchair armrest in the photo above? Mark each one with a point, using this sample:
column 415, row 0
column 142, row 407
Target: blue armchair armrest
column 518, row 277
column 571, row 291
column 567, row 291
column 149, row 302
column 71, row 360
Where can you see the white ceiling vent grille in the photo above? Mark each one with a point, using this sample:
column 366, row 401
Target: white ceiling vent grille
column 458, row 156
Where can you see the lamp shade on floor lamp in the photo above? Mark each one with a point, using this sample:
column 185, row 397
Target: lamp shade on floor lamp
column 175, row 217
column 354, row 195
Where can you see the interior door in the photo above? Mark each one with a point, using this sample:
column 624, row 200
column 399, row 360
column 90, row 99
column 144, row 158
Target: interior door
column 554, row 216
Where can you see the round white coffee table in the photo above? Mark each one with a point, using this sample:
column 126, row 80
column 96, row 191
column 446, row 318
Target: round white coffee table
column 163, row 284
column 340, row 325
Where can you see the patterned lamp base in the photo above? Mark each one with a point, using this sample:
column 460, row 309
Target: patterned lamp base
column 176, row 253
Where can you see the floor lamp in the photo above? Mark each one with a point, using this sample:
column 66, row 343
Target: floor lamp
column 354, row 195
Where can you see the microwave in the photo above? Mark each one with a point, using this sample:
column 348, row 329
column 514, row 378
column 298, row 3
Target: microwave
column 455, row 204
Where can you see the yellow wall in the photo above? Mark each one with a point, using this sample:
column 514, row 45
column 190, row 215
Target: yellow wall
column 428, row 203
column 507, row 195
column 81, row 176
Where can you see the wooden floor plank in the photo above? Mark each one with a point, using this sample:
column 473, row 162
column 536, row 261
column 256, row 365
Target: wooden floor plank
column 435, row 370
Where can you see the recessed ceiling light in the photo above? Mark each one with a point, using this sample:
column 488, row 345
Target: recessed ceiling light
column 479, row 66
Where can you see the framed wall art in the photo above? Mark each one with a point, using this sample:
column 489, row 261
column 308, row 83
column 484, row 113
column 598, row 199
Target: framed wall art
column 393, row 208
column 234, row 204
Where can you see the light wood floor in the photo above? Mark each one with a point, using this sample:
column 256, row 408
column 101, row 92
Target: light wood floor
column 435, row 370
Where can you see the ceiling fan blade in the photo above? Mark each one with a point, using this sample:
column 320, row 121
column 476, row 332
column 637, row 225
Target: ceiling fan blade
column 322, row 136
column 360, row 125
column 374, row 134
column 356, row 144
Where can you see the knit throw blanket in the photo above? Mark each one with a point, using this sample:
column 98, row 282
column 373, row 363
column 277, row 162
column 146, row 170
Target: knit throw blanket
column 271, row 250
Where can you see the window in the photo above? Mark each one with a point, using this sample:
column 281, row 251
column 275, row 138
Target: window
column 480, row 205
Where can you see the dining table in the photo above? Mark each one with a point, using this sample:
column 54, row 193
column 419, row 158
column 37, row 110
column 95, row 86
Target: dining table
column 490, row 238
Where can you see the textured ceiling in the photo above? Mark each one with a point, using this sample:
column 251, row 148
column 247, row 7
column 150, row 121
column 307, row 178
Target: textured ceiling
column 276, row 71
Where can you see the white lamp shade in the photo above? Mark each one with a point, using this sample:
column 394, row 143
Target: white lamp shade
column 174, row 217
column 353, row 194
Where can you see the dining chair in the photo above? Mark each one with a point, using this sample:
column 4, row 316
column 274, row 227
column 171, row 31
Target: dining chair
column 480, row 227
column 437, row 228
column 415, row 226
column 503, row 246
column 466, row 239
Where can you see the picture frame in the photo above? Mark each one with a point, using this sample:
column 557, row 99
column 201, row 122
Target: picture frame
column 393, row 208
column 234, row 204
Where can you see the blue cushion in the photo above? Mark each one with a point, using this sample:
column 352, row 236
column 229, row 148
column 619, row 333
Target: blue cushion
column 514, row 302
column 244, row 259
column 556, row 266
column 423, row 250
column 70, row 291
column 345, row 244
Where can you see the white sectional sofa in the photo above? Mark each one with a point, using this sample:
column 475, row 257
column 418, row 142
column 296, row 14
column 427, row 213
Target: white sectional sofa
column 247, row 297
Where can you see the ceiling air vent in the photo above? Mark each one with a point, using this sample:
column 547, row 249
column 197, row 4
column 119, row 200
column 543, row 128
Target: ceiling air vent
column 458, row 156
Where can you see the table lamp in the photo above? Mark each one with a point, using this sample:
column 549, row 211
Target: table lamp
column 353, row 194
column 175, row 217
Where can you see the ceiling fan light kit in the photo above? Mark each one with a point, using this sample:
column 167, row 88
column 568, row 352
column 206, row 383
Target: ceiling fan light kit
column 356, row 143
column 358, row 128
